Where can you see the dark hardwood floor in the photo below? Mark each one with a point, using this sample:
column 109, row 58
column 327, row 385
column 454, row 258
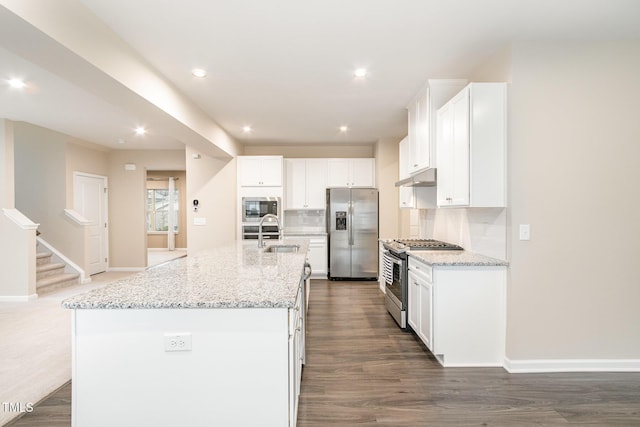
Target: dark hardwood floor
column 362, row 370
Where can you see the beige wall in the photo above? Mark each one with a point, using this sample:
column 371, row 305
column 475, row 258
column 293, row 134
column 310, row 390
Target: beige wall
column 127, row 210
column 573, row 152
column 17, row 259
column 160, row 240
column 213, row 183
column 386, row 154
column 310, row 150
column 7, row 180
column 40, row 185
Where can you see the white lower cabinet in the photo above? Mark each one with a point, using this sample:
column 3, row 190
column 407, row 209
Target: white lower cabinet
column 296, row 355
column 459, row 312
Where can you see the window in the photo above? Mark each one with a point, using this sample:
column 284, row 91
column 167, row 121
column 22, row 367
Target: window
column 158, row 210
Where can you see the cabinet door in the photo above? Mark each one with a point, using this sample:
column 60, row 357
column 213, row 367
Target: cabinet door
column 318, row 257
column 406, row 197
column 316, row 183
column 271, row 171
column 460, row 146
column 445, row 155
column 362, row 172
column 414, row 302
column 338, row 173
column 296, row 183
column 412, row 137
column 420, row 151
column 250, row 171
column 426, row 314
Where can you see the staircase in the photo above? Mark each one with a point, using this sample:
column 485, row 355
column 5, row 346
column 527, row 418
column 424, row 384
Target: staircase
column 51, row 275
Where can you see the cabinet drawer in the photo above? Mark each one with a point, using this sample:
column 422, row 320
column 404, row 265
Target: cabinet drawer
column 421, row 269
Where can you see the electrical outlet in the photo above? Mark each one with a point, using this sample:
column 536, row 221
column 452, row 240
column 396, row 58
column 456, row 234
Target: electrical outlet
column 525, row 232
column 177, row 342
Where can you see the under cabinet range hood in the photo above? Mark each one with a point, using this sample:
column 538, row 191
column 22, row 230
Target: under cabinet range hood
column 426, row 178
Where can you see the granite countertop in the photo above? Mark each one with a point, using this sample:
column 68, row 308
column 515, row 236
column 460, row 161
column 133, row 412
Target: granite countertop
column 456, row 258
column 235, row 276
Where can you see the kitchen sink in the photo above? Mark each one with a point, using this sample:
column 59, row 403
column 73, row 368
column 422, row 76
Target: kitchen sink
column 282, row 248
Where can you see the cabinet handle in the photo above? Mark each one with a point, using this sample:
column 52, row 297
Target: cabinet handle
column 415, row 165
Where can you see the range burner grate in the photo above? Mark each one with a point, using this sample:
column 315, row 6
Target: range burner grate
column 417, row 244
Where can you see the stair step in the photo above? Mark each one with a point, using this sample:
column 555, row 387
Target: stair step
column 43, row 258
column 50, row 269
column 56, row 282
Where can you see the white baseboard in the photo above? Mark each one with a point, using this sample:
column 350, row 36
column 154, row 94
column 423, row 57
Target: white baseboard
column 571, row 365
column 165, row 249
column 18, row 298
column 126, row 269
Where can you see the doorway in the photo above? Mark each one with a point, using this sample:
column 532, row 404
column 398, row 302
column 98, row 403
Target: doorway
column 166, row 216
column 90, row 201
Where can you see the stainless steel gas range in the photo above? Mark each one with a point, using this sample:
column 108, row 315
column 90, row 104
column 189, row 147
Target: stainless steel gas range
column 395, row 272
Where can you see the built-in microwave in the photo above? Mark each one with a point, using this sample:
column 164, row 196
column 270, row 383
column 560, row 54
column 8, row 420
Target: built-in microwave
column 254, row 208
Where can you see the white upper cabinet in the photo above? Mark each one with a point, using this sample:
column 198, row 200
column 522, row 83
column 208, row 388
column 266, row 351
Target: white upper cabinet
column 422, row 122
column 351, row 173
column 471, row 146
column 419, row 146
column 306, row 182
column 260, row 171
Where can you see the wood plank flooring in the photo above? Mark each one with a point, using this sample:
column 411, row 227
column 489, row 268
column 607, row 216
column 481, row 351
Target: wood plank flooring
column 362, row 370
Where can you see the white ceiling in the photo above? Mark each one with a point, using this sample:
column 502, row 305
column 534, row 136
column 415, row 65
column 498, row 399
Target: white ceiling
column 285, row 66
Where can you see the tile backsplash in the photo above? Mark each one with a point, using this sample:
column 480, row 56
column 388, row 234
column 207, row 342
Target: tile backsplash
column 481, row 230
column 304, row 221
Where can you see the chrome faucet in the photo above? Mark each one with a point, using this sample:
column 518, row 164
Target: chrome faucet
column 260, row 243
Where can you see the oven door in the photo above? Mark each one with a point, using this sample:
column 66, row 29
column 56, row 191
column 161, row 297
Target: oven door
column 394, row 282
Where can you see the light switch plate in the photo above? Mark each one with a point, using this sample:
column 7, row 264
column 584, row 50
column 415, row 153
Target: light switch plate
column 199, row 221
column 525, row 232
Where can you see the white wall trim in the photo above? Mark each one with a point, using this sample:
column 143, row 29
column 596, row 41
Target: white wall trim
column 571, row 365
column 76, row 217
column 21, row 298
column 84, row 279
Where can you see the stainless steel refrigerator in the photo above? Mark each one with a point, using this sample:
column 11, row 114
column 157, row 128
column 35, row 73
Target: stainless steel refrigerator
column 352, row 227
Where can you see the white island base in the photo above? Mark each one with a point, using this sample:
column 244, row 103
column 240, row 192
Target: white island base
column 236, row 374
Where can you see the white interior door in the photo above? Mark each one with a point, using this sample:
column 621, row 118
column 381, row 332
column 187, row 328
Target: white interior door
column 90, row 201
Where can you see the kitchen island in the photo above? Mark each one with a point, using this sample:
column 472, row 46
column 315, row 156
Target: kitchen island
column 212, row 339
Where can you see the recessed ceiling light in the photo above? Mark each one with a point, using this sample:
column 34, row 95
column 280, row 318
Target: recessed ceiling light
column 360, row 72
column 140, row 130
column 199, row 72
column 343, row 128
column 246, row 129
column 17, row 83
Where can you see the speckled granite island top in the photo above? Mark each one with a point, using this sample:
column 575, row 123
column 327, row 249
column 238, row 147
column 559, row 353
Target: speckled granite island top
column 235, row 276
column 456, row 258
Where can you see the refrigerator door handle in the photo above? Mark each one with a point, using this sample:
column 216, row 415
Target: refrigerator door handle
column 351, row 223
